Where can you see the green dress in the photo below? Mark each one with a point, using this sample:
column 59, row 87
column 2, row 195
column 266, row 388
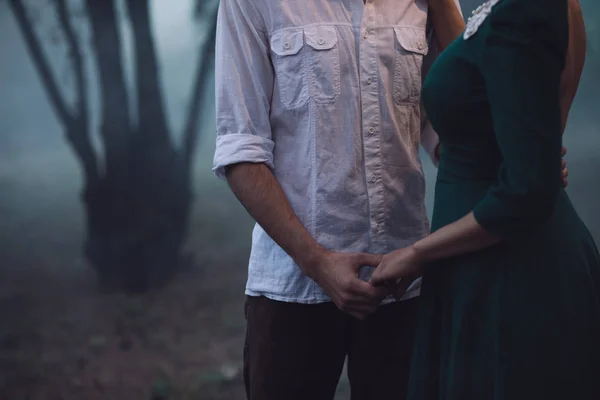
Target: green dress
column 519, row 320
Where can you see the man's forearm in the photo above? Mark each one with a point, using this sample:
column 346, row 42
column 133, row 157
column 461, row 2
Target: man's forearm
column 447, row 20
column 259, row 192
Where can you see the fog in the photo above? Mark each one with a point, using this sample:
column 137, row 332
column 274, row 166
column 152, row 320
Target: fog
column 61, row 335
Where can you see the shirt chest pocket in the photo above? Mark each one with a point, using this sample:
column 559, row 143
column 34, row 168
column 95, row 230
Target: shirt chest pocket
column 410, row 48
column 307, row 65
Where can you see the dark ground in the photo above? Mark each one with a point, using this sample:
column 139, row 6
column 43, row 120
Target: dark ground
column 61, row 339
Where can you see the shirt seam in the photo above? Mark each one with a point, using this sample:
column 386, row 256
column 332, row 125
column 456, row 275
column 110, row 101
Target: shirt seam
column 346, row 24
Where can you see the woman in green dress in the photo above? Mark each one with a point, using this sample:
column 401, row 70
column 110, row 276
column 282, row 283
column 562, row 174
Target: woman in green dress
column 510, row 300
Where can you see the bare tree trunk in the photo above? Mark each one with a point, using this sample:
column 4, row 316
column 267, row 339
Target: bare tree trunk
column 137, row 211
column 152, row 122
column 140, row 212
column 115, row 128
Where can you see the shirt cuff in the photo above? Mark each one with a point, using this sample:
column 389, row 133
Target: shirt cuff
column 430, row 141
column 235, row 148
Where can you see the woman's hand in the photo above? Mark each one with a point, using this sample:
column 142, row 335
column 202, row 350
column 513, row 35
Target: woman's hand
column 397, row 269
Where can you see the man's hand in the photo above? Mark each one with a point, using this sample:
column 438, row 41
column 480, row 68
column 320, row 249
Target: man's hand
column 337, row 274
column 565, row 170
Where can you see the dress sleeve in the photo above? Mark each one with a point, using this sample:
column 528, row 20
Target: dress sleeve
column 521, row 62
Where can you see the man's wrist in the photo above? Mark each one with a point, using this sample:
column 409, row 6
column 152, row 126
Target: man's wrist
column 310, row 258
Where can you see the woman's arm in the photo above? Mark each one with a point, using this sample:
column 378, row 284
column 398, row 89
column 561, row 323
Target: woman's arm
column 521, row 62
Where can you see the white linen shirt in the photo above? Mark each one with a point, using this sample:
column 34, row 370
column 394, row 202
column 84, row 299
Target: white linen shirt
column 327, row 93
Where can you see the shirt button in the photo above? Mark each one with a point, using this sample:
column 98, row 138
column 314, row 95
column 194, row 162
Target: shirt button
column 420, row 45
column 287, row 45
column 369, row 80
column 371, row 130
column 321, row 41
column 366, row 35
column 373, row 179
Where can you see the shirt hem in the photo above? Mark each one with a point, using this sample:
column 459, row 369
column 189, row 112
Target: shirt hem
column 322, row 299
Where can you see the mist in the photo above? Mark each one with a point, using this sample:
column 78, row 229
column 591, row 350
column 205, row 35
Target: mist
column 64, row 337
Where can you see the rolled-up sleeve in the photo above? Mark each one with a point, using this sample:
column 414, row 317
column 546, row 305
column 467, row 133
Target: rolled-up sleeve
column 521, row 64
column 243, row 86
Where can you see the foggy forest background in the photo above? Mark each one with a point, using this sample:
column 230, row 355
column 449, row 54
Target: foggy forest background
column 122, row 258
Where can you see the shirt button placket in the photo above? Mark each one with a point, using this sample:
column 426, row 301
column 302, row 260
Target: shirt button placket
column 370, row 113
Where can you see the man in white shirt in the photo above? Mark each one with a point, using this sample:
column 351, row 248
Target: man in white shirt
column 319, row 123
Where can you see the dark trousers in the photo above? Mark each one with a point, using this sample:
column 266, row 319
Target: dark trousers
column 297, row 351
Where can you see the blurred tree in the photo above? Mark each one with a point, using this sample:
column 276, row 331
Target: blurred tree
column 137, row 192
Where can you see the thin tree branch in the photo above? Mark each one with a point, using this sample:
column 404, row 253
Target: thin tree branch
column 76, row 126
column 116, row 124
column 41, row 63
column 78, row 132
column 152, row 120
column 76, row 58
column 205, row 67
column 107, row 47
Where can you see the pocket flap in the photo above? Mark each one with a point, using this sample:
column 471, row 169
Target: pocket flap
column 321, row 37
column 287, row 42
column 412, row 39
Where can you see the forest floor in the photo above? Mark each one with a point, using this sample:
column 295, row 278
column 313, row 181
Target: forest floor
column 61, row 339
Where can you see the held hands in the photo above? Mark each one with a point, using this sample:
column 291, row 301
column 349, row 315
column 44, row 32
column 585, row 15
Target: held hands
column 337, row 274
column 397, row 271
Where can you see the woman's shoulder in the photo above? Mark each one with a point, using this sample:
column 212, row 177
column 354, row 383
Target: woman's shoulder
column 544, row 19
column 523, row 17
column 539, row 5
column 554, row 12
column 540, row 27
